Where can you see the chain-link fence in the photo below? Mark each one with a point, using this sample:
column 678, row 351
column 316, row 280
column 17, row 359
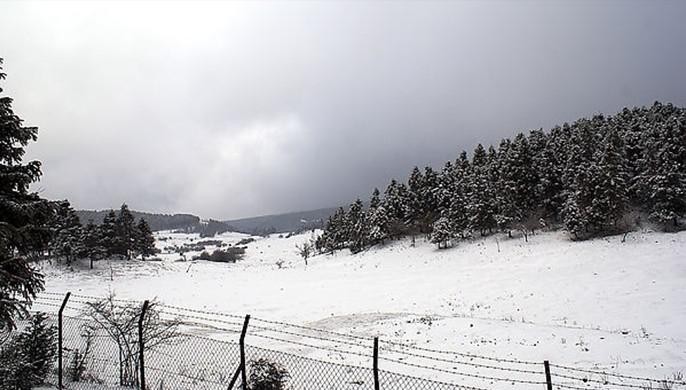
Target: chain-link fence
column 108, row 343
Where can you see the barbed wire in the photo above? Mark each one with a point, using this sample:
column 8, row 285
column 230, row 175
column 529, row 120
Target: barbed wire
column 570, row 387
column 313, row 346
column 294, row 357
column 358, row 345
column 602, row 382
column 90, row 297
column 478, row 365
column 46, row 303
column 569, row 368
column 201, row 311
column 352, row 336
column 201, row 318
column 445, row 352
column 404, row 376
column 460, row 373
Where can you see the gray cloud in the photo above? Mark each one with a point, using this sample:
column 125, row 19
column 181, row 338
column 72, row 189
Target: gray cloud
column 237, row 109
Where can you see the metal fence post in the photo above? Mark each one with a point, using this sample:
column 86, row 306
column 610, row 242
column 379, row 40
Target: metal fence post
column 548, row 380
column 244, row 376
column 376, row 363
column 141, row 343
column 59, row 341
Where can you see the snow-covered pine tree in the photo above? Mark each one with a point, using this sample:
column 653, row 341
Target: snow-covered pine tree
column 501, row 194
column 578, row 179
column 518, row 182
column 126, row 231
column 610, row 199
column 92, row 241
column 430, row 200
column 662, row 185
column 457, row 212
column 67, row 233
column 375, row 199
column 480, row 210
column 109, row 239
column 442, row 232
column 339, row 230
column 549, row 162
column 444, row 191
column 377, row 219
column 378, row 225
column 633, row 128
column 28, row 357
column 415, row 200
column 144, row 243
column 395, row 202
column 24, row 217
column 357, row 227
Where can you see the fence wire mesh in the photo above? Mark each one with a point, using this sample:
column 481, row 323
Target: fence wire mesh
column 195, row 349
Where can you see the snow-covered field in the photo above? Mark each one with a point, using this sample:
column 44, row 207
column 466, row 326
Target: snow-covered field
column 619, row 306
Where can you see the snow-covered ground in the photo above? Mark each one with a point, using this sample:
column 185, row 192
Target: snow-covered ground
column 619, row 306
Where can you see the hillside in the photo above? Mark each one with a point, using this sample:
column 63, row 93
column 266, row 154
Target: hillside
column 281, row 223
column 619, row 306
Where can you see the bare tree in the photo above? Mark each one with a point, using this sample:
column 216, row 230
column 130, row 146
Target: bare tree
column 119, row 321
column 305, row 250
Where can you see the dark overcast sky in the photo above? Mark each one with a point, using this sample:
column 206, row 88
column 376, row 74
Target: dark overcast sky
column 237, row 109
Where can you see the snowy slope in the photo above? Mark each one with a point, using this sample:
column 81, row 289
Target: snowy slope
column 600, row 303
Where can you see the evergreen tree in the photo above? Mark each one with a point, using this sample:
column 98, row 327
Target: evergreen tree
column 377, row 219
column 396, row 204
column 378, row 224
column 415, row 207
column 549, row 161
column 444, row 192
column 145, row 241
column 67, row 233
column 335, row 235
column 126, row 232
column 442, row 232
column 480, row 203
column 610, row 199
column 518, row 184
column 661, row 186
column 28, row 358
column 459, row 202
column 24, row 217
column 578, row 178
column 375, row 200
column 109, row 238
column 357, row 225
column 504, row 204
column 92, row 239
column 430, row 199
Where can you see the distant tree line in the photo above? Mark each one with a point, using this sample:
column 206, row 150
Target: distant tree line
column 156, row 222
column 210, row 228
column 118, row 235
column 593, row 177
column 186, row 223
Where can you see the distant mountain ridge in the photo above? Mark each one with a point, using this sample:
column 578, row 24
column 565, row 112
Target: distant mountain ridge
column 264, row 224
column 282, row 223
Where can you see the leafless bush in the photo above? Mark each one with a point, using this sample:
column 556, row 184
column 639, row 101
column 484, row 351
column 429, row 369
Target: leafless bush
column 119, row 321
